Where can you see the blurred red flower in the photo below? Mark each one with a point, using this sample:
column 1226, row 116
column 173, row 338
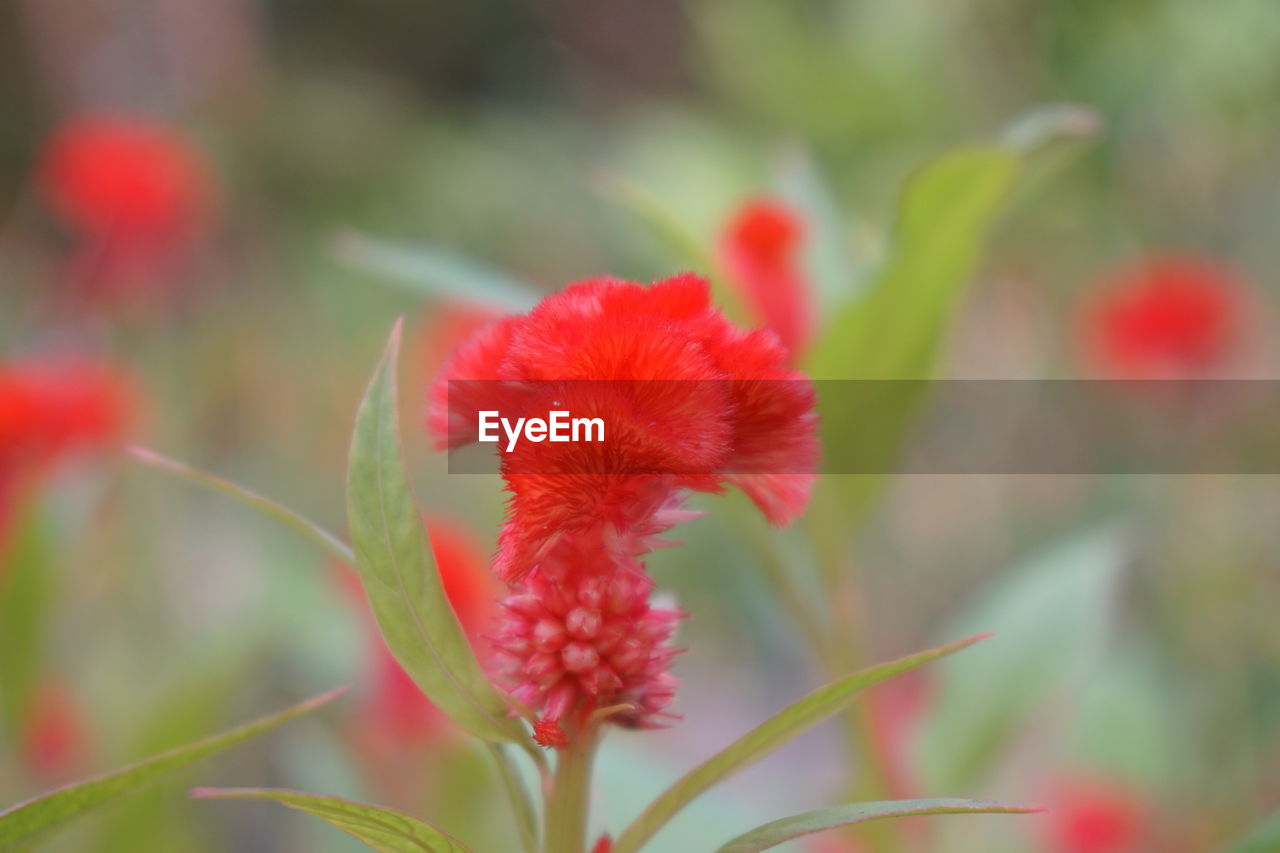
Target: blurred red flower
column 1090, row 815
column 691, row 403
column 1166, row 317
column 54, row 740
column 760, row 249
column 50, row 410
column 133, row 190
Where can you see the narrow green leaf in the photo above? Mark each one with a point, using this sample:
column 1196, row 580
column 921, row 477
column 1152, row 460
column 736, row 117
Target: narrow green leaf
column 436, row 272
column 780, row 831
column 327, row 541
column 1051, row 619
column 1263, row 839
column 382, row 829
column 25, row 822
column 399, row 572
column 893, row 329
column 768, row 736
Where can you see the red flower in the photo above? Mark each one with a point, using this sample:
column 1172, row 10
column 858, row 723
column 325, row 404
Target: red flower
column 1094, row 816
column 123, row 177
column 761, row 251
column 132, row 189
column 690, row 403
column 1167, row 317
column 397, row 711
column 54, row 741
column 51, row 409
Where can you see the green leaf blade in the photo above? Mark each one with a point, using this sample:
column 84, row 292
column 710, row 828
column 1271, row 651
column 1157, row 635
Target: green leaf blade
column 384, row 830
column 25, row 822
column 398, row 570
column 436, row 272
column 820, row 820
column 893, row 331
column 768, row 736
column 330, row 543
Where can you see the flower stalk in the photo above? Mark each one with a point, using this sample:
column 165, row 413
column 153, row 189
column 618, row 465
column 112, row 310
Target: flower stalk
column 568, row 804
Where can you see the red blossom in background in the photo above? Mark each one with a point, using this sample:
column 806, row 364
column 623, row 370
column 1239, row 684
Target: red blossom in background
column 1167, row 317
column 396, row 712
column 132, row 189
column 687, row 398
column 1095, row 816
column 54, row 742
column 50, row 410
column 760, row 249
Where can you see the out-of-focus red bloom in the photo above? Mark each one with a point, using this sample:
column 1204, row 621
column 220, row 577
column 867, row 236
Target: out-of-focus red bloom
column 1166, row 317
column 1095, row 816
column 603, row 845
column 132, row 188
column 54, row 740
column 123, row 177
column 760, row 249
column 396, row 710
column 50, row 410
column 897, row 707
column 690, row 403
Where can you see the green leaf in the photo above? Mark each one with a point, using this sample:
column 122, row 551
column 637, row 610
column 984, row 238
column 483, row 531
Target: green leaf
column 435, row 272
column 894, row 330
column 780, row 831
column 26, row 592
column 768, row 736
column 327, row 541
column 399, row 574
column 1263, row 839
column 382, row 829
column 1051, row 619
column 24, row 823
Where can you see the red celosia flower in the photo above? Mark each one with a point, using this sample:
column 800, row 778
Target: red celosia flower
column 54, row 741
column 1168, row 317
column 603, row 845
column 49, row 409
column 690, row 402
column 761, row 252
column 123, row 177
column 132, row 188
column 1094, row 816
column 397, row 711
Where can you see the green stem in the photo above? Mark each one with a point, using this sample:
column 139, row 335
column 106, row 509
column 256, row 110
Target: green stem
column 570, row 797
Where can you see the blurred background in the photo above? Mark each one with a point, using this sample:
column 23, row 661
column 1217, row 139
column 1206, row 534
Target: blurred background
column 187, row 188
